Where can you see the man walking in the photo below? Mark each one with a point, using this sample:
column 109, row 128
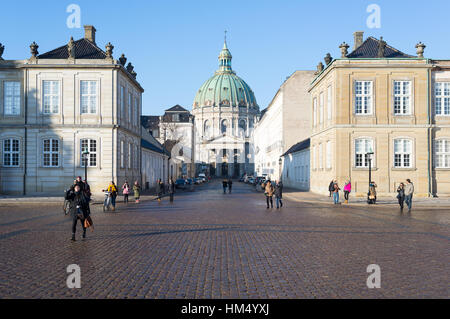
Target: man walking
column 279, row 194
column 230, row 185
column 336, row 190
column 225, row 185
column 409, row 191
column 331, row 188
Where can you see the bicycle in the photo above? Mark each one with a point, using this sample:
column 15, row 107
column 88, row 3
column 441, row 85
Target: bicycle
column 107, row 201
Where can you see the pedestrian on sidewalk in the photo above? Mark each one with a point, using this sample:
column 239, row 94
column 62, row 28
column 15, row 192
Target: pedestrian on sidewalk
column 279, row 194
column 225, row 185
column 137, row 192
column 126, row 192
column 347, row 190
column 230, row 185
column 401, row 195
column 171, row 189
column 331, row 188
column 409, row 191
column 268, row 191
column 112, row 189
column 336, row 190
column 78, row 208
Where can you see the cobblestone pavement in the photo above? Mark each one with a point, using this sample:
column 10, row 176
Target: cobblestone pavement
column 211, row 245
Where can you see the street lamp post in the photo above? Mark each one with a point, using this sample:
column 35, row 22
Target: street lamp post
column 369, row 155
column 85, row 160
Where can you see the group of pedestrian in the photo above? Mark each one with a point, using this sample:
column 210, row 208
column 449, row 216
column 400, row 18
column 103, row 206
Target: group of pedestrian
column 161, row 189
column 270, row 190
column 227, row 184
column 405, row 194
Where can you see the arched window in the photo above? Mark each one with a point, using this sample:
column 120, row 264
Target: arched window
column 224, row 127
column 207, row 129
column 242, row 128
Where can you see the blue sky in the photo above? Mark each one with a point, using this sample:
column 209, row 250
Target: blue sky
column 174, row 44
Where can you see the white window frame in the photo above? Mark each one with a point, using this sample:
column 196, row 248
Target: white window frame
column 122, row 155
column 403, row 153
column 404, row 109
column 91, row 108
column 14, row 108
column 330, row 102
column 329, row 155
column 315, row 112
column 129, row 155
column 442, row 154
column 51, row 152
column 92, row 154
column 321, row 156
column 369, row 143
column 442, row 94
column 130, row 106
column 366, row 96
column 321, row 107
column 54, row 97
column 11, row 153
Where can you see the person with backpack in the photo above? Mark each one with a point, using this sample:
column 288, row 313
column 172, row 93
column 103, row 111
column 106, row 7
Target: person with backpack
column 331, row 188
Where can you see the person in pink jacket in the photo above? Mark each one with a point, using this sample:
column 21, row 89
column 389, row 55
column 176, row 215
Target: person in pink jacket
column 347, row 190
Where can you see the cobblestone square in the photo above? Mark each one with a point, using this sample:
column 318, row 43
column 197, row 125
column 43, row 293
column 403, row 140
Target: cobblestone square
column 211, row 245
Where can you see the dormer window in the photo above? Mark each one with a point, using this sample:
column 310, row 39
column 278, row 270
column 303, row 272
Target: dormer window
column 176, row 117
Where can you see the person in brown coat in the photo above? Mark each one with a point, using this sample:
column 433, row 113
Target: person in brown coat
column 268, row 191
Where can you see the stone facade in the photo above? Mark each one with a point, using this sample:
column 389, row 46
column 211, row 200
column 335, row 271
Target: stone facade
column 53, row 106
column 284, row 123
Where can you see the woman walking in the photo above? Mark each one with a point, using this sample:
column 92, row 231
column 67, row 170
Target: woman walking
column 372, row 193
column 137, row 192
column 347, row 190
column 401, row 195
column 112, row 189
column 126, row 192
column 336, row 190
column 268, row 191
column 279, row 194
column 331, row 188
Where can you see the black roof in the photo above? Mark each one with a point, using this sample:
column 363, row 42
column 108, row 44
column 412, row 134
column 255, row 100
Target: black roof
column 369, row 50
column 299, row 147
column 84, row 49
column 150, row 122
column 177, row 108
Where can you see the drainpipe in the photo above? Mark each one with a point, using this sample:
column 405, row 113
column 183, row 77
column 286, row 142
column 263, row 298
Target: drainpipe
column 429, row 135
column 26, row 133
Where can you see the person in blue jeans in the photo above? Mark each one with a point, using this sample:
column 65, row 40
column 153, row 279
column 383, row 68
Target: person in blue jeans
column 279, row 193
column 409, row 191
column 336, row 193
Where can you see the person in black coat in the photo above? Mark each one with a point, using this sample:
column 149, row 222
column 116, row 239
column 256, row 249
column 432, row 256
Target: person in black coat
column 230, row 185
column 401, row 195
column 331, row 188
column 78, row 208
column 171, row 189
column 279, row 193
column 225, row 185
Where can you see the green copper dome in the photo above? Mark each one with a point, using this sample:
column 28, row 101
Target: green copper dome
column 225, row 88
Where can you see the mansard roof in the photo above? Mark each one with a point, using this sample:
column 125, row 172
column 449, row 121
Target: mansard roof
column 177, row 108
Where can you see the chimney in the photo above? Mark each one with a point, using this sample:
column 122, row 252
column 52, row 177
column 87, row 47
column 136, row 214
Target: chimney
column 89, row 33
column 359, row 39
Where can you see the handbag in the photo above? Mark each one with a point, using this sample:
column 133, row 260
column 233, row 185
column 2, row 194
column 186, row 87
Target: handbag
column 88, row 223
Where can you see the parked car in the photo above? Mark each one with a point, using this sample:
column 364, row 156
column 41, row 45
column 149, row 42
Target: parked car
column 189, row 181
column 202, row 177
column 250, row 180
column 180, row 184
column 198, row 181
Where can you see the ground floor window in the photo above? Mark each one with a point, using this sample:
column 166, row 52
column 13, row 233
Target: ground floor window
column 90, row 146
column 51, row 152
column 11, row 152
column 442, row 153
